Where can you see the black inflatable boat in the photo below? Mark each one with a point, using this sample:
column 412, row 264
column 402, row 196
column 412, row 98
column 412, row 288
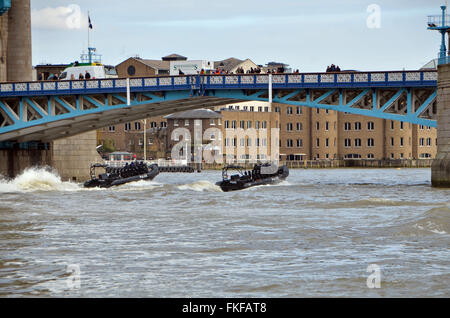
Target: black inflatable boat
column 135, row 171
column 260, row 175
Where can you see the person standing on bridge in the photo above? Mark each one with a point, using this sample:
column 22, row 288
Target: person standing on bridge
column 87, row 75
column 81, row 77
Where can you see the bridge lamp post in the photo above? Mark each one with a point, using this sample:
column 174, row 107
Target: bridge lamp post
column 439, row 23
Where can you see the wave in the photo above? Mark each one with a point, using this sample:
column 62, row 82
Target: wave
column 37, row 179
column 200, row 186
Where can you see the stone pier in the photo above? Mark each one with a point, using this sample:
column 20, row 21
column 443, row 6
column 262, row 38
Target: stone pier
column 73, row 156
column 440, row 171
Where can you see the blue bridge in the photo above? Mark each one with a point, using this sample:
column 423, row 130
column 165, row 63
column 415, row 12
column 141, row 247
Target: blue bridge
column 49, row 110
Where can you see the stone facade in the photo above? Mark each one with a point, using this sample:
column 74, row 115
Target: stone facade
column 441, row 166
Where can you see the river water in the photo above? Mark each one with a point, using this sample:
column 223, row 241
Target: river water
column 321, row 233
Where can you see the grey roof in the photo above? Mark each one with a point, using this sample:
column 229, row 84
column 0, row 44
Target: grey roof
column 228, row 64
column 157, row 64
column 195, row 114
column 174, row 57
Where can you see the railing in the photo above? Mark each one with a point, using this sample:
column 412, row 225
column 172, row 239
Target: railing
column 159, row 162
column 244, row 81
column 435, row 21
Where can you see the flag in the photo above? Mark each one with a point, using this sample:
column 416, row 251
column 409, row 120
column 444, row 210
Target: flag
column 90, row 23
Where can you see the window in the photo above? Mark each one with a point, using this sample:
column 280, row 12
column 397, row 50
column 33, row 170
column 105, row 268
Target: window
column 233, row 142
column 327, row 126
column 150, row 141
column 357, row 142
column 242, row 124
column 422, row 142
column 370, row 142
column 289, row 143
column 219, row 122
column 299, row 110
column 249, row 142
column 289, row 126
column 425, row 155
column 233, row 124
column 264, row 142
column 289, row 110
column 227, row 142
column 401, row 141
column 299, row 143
column 112, row 128
column 401, row 125
column 327, row 142
column 347, row 126
column 212, row 122
column 257, row 142
column 175, row 122
column 347, row 143
column 141, row 142
column 127, row 126
column 392, row 125
column 277, row 109
column 252, row 108
column 242, row 142
column 266, row 109
column 358, row 126
column 318, row 110
column 236, row 107
column 137, row 125
column 257, row 124
column 227, row 124
column 249, row 124
column 317, row 126
column 264, row 124
column 260, row 109
column 299, row 126
column 422, row 127
column 317, row 142
column 186, row 122
column 370, row 156
column 163, row 124
column 246, row 108
column 428, row 142
column 392, row 141
column 370, row 125
column 153, row 124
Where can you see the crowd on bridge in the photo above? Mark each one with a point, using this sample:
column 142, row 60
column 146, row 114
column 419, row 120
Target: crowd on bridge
column 333, row 68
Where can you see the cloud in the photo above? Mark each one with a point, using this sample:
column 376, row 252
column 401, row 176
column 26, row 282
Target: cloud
column 59, row 18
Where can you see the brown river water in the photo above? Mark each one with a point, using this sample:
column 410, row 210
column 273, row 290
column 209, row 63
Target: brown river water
column 318, row 234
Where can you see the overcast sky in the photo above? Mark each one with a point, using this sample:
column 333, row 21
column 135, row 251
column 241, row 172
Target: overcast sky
column 308, row 35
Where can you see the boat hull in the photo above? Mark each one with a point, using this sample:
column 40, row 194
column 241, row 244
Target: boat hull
column 111, row 182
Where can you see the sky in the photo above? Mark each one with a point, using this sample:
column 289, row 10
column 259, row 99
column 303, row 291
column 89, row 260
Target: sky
column 308, row 35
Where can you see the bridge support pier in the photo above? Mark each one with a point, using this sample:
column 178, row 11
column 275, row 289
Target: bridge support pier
column 440, row 176
column 15, row 161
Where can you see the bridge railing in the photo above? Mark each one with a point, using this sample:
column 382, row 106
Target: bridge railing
column 245, row 81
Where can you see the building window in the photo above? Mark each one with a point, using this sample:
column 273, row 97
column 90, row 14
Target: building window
column 260, row 109
column 233, row 142
column 175, row 122
column 357, row 142
column 277, row 109
column 227, row 142
column 289, row 110
column 299, row 126
column 227, row 124
column 428, row 142
column 370, row 125
column 137, row 125
column 347, row 143
column 358, row 126
column 212, row 122
column 401, row 141
column 153, row 124
column 392, row 125
column 264, row 124
column 370, row 142
column 252, row 108
column 299, row 143
column 317, row 142
column 317, row 126
column 249, row 124
column 257, row 124
column 299, row 110
column 127, row 126
column 318, row 110
column 242, row 142
column 327, row 142
column 370, row 156
column 422, row 127
column 392, row 141
column 327, row 126
column 289, row 143
column 150, row 141
column 266, row 109
column 112, row 128
column 422, row 142
column 233, row 124
column 163, row 124
column 347, row 126
column 289, row 126
column 401, row 125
